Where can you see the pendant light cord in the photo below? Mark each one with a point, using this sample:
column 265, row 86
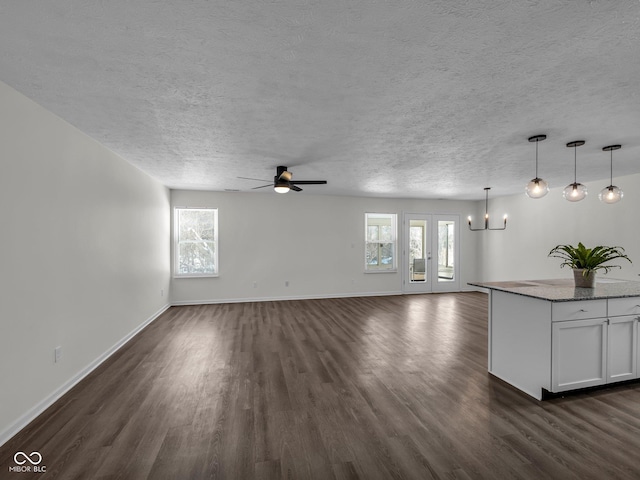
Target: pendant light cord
column 486, row 202
column 575, row 164
column 611, row 178
column 537, row 157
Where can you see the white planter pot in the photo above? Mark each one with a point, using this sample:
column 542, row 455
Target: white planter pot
column 584, row 281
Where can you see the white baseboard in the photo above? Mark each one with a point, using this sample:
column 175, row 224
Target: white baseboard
column 30, row 415
column 289, row 297
column 306, row 297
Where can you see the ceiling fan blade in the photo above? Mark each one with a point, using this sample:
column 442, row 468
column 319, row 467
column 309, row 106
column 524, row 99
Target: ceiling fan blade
column 309, row 182
column 256, row 179
column 294, row 188
column 263, row 186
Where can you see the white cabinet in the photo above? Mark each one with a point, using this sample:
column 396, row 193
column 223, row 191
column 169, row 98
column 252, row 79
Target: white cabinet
column 591, row 352
column 622, row 348
column 579, row 354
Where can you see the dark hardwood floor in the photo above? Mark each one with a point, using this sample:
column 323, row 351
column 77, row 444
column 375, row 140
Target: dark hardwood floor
column 369, row 388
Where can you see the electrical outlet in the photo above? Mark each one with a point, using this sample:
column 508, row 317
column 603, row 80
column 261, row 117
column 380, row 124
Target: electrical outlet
column 255, row 284
column 57, row 354
column 162, row 292
column 286, row 283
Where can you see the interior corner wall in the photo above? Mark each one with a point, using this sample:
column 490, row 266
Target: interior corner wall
column 536, row 226
column 313, row 242
column 84, row 255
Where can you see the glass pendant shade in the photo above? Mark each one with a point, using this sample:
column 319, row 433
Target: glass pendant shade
column 537, row 188
column 574, row 192
column 610, row 194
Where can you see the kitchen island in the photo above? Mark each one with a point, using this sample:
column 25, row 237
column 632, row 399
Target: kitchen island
column 549, row 336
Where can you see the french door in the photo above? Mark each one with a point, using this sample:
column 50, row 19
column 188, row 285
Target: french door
column 430, row 253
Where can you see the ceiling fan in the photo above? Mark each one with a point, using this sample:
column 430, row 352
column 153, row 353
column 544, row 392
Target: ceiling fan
column 283, row 182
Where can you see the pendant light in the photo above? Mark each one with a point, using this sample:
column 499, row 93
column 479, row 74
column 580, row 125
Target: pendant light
column 537, row 188
column 486, row 215
column 574, row 192
column 611, row 194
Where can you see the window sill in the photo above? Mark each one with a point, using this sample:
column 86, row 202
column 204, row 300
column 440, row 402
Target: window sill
column 395, row 270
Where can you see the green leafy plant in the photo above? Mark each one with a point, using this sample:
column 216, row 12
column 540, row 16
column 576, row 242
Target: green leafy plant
column 589, row 259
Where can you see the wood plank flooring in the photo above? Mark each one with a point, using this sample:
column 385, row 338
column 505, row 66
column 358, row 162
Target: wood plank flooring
column 356, row 388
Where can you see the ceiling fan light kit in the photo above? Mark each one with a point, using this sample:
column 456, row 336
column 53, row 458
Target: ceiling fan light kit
column 574, row 192
column 486, row 215
column 611, row 194
column 537, row 187
column 281, row 187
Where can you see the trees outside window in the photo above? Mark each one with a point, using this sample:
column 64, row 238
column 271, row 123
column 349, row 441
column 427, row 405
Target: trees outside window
column 196, row 242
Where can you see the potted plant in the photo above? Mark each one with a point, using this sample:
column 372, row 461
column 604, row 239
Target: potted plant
column 585, row 262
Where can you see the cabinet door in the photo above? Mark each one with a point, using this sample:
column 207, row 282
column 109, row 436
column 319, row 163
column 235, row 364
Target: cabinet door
column 622, row 348
column 579, row 354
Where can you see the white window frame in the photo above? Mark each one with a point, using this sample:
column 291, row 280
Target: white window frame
column 393, row 266
column 176, row 244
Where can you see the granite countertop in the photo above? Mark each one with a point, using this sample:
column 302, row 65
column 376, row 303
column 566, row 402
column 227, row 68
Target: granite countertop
column 563, row 289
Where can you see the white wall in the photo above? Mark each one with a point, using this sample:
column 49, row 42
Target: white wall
column 84, row 255
column 536, row 226
column 315, row 242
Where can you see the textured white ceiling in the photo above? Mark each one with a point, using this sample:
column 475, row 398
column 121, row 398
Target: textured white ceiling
column 431, row 99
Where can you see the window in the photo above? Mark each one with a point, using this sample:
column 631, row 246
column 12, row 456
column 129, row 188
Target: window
column 380, row 239
column 196, row 242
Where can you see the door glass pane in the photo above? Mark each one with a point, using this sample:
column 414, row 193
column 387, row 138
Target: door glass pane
column 417, row 249
column 446, row 257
